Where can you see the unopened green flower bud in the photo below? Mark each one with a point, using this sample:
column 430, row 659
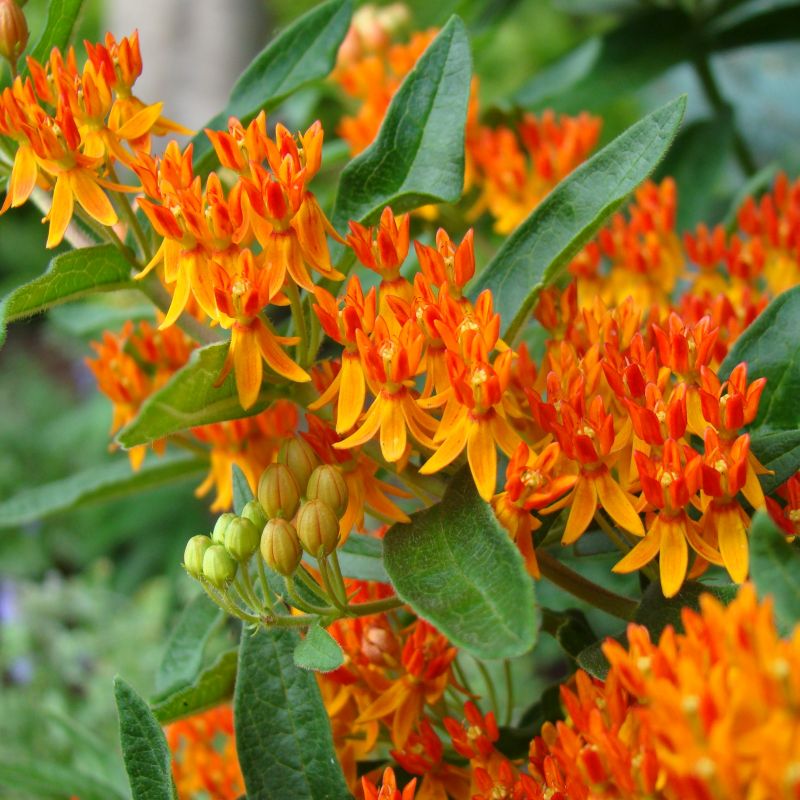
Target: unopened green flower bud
column 278, row 492
column 327, row 484
column 221, row 526
column 241, row 538
column 280, row 547
column 219, row 569
column 317, row 527
column 300, row 457
column 13, row 31
column 193, row 554
column 255, row 514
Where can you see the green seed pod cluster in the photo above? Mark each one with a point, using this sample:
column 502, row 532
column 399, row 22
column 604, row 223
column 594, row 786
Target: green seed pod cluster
column 327, row 483
column 219, row 568
column 193, row 554
column 299, row 457
column 317, row 527
column 218, row 534
column 278, row 492
column 241, row 539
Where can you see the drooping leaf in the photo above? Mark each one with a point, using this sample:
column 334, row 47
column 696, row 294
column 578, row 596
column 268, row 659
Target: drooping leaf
column 214, row 685
column 655, row 612
column 144, row 747
column 62, row 21
column 69, row 276
column 242, row 493
column 190, row 399
column 318, row 651
column 183, row 654
column 304, row 52
column 42, row 779
column 542, row 247
column 418, row 156
column 456, row 567
column 775, row 569
column 771, row 348
column 96, row 484
column 283, row 734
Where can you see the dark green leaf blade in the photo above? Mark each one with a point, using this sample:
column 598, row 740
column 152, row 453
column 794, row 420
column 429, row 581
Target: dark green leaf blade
column 456, row 567
column 214, row 685
column 69, row 276
column 144, row 747
column 304, row 52
column 779, row 452
column 318, row 651
column 775, row 569
column 62, row 21
column 96, row 484
column 283, row 733
column 771, row 348
column 242, row 493
column 183, row 654
column 418, row 156
column 542, row 247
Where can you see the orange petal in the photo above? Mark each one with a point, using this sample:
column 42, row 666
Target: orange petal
column 141, row 123
column 482, row 457
column 617, row 504
column 644, row 552
column 60, row 212
column 276, row 357
column 674, row 557
column 584, row 504
column 352, row 393
column 393, row 430
column 247, row 365
column 450, row 448
column 752, row 490
column 180, row 296
column 507, row 438
column 369, row 427
column 92, row 197
column 23, row 178
column 733, row 543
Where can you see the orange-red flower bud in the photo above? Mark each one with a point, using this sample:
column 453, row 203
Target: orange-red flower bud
column 317, row 527
column 327, row 484
column 278, row 491
column 280, row 547
column 13, row 31
column 300, row 458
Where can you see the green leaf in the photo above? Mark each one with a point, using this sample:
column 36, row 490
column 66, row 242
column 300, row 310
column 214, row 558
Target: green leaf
column 542, row 247
column 242, row 493
column 61, row 24
column 755, row 22
column 775, row 569
column 106, row 482
column 42, row 779
column 570, row 629
column 778, row 452
column 456, row 567
column 144, row 747
column 214, row 685
column 304, row 52
column 771, row 348
column 190, row 399
column 69, row 276
column 360, row 557
column 183, row 654
column 655, row 612
column 283, row 734
column 418, row 156
column 318, row 651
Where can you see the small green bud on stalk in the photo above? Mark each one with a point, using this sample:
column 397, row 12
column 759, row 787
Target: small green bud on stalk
column 317, row 527
column 280, row 547
column 241, row 539
column 219, row 569
column 255, row 514
column 278, row 492
column 13, row 32
column 327, row 484
column 300, row 457
column 218, row 535
column 193, row 554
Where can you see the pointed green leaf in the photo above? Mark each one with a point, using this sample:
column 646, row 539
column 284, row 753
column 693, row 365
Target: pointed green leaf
column 96, row 484
column 62, row 21
column 771, row 348
column 775, row 569
column 779, row 452
column 455, row 565
column 541, row 248
column 144, row 747
column 418, row 156
column 242, row 493
column 42, row 779
column 304, row 52
column 214, row 685
column 318, row 651
column 69, row 276
column 283, row 734
column 183, row 654
column 190, row 399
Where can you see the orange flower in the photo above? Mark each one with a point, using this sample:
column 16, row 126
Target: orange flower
column 388, row 789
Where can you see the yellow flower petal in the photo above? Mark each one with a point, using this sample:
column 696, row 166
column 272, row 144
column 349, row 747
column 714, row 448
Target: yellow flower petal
column 276, row 357
column 449, row 449
column 247, row 365
column 60, row 212
column 617, row 504
column 482, row 457
column 352, row 392
column 674, row 556
column 584, row 504
column 644, row 552
column 733, row 543
column 92, row 197
column 393, row 429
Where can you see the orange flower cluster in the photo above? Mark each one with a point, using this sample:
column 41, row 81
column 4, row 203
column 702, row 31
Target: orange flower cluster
column 237, row 251
column 204, row 761
column 709, row 714
column 72, row 125
column 511, row 168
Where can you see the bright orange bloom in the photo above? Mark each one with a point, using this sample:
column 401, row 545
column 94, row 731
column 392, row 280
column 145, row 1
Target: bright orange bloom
column 240, row 298
column 448, row 264
column 787, row 516
column 388, row 788
column 204, row 762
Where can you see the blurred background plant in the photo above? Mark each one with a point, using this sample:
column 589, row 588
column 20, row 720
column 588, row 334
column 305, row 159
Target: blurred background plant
column 92, row 591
